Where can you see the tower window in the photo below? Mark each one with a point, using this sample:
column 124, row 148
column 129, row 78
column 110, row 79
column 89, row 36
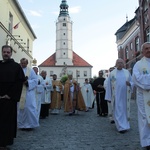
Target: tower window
column 64, row 53
column 85, row 73
column 64, row 33
column 64, row 19
column 64, row 24
column 51, row 73
column 64, row 43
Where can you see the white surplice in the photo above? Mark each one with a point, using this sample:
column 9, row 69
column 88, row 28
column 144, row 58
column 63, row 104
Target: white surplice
column 28, row 117
column 38, row 93
column 118, row 97
column 46, row 95
column 88, row 96
column 110, row 108
column 141, row 79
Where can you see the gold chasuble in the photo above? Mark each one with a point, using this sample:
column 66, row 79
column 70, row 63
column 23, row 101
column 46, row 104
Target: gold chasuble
column 144, row 69
column 73, row 99
column 24, row 90
column 113, row 83
column 56, row 94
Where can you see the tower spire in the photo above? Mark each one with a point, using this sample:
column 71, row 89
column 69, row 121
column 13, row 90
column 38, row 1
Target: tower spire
column 64, row 8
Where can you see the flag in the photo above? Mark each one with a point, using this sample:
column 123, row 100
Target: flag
column 16, row 26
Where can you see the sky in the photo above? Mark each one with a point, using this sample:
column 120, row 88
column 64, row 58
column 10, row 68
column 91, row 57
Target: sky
column 95, row 23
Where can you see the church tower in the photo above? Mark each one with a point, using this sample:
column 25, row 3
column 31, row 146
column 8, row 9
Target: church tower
column 64, row 51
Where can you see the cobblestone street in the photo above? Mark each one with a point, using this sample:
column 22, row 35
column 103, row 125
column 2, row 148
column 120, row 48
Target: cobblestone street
column 83, row 131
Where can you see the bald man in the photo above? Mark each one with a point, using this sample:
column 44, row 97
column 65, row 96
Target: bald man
column 141, row 79
column 118, row 92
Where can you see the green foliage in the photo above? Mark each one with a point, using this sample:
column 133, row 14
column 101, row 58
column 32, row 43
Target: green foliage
column 64, row 79
column 94, row 77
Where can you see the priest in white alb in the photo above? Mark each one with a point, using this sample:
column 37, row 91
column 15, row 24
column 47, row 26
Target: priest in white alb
column 27, row 110
column 118, row 91
column 88, row 95
column 141, row 79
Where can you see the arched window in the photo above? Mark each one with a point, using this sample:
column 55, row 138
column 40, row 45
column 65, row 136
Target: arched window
column 148, row 35
column 137, row 44
column 127, row 53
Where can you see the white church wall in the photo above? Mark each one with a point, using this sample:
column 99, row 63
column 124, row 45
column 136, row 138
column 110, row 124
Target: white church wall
column 78, row 72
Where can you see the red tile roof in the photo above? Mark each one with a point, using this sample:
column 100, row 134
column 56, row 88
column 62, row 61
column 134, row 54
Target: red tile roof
column 77, row 61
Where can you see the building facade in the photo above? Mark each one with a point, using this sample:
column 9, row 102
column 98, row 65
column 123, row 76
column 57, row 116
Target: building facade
column 133, row 34
column 143, row 18
column 15, row 30
column 64, row 57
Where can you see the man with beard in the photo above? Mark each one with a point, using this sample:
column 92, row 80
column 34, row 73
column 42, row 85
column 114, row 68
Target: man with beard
column 98, row 86
column 11, row 82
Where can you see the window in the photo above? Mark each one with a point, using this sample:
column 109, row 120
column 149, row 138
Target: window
column 147, row 35
column 131, row 46
column 51, row 73
column 137, row 44
column 64, row 43
column 28, row 42
column 145, row 5
column 64, row 24
column 126, row 53
column 77, row 73
column 10, row 23
column 85, row 73
column 64, row 33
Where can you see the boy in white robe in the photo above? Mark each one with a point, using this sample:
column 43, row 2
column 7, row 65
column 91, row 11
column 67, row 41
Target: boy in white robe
column 46, row 95
column 110, row 109
column 38, row 91
column 88, row 95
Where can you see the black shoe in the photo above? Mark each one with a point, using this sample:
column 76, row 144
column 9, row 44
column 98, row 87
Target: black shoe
column 100, row 114
column 29, row 129
column 22, row 129
column 26, row 129
column 147, row 147
column 123, row 131
column 105, row 115
column 42, row 117
column 112, row 121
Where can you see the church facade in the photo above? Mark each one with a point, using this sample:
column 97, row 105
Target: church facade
column 64, row 58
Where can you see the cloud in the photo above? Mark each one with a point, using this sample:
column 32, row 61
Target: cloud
column 34, row 13
column 75, row 9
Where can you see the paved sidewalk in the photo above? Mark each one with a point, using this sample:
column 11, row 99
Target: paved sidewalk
column 83, row 131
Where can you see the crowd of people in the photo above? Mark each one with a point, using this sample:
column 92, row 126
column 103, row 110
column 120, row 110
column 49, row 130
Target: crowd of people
column 26, row 96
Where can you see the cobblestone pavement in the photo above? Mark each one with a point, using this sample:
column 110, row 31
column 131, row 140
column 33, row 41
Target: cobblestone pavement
column 83, row 131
